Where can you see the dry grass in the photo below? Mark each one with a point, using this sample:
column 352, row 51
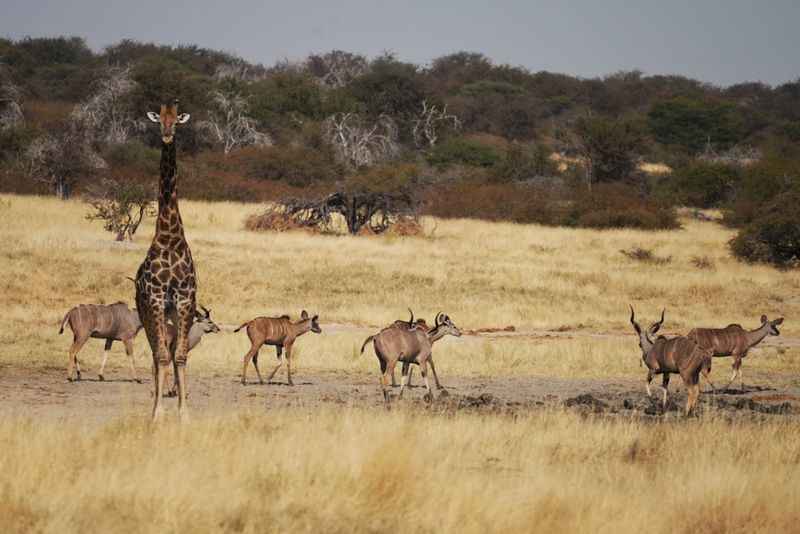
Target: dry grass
column 349, row 469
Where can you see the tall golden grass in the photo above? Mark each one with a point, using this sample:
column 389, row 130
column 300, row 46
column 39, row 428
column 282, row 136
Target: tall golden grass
column 340, row 469
column 350, row 468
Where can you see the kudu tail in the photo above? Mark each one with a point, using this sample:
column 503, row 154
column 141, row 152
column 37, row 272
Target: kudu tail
column 366, row 341
column 63, row 322
column 242, row 326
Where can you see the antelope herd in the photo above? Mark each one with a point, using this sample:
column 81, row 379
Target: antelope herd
column 166, row 309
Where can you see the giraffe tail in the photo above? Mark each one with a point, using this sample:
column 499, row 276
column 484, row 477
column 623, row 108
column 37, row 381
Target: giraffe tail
column 242, row 326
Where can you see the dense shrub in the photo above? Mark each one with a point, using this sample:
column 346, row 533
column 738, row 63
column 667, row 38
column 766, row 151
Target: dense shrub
column 691, row 124
column 386, row 178
column 618, row 206
column 460, row 150
column 494, row 202
column 759, row 185
column 610, row 147
column 297, row 166
column 522, row 162
column 773, row 236
column 133, row 155
column 701, row 184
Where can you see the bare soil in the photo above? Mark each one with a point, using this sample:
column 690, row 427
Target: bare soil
column 44, row 392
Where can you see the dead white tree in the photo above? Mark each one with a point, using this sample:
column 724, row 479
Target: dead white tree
column 428, row 123
column 228, row 124
column 10, row 102
column 105, row 116
column 59, row 158
column 360, row 142
column 336, row 68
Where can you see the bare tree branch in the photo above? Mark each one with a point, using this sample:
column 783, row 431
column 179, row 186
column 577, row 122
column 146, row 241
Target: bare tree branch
column 105, row 115
column 229, row 125
column 427, row 123
column 360, row 143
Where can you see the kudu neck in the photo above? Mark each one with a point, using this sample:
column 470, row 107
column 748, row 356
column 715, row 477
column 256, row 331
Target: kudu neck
column 755, row 336
column 436, row 333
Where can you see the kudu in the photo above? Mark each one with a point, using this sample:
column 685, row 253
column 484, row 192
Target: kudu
column 393, row 344
column 279, row 332
column 677, row 355
column 112, row 322
column 733, row 340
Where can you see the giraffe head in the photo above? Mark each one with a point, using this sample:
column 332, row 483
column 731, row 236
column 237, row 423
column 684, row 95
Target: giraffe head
column 168, row 118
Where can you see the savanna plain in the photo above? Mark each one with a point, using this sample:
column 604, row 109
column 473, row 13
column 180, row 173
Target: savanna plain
column 541, row 427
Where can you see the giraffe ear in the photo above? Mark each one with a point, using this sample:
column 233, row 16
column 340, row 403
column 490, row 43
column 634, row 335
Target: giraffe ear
column 153, row 116
column 183, row 118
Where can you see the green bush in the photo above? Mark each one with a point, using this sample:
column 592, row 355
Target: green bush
column 297, row 166
column 758, row 186
column 773, row 236
column 133, row 155
column 522, row 162
column 702, row 185
column 460, row 150
column 691, row 123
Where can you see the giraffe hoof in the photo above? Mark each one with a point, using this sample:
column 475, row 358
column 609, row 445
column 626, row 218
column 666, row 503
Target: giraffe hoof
column 428, row 397
column 101, row 378
column 137, row 380
column 443, row 392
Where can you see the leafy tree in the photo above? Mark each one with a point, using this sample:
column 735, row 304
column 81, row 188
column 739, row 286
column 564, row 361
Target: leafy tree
column 610, row 147
column 121, row 205
column 692, row 124
column 391, row 87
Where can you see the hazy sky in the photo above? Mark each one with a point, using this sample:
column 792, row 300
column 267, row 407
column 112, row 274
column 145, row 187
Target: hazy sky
column 720, row 41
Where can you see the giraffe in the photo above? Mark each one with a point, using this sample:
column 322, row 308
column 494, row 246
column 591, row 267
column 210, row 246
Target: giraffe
column 166, row 282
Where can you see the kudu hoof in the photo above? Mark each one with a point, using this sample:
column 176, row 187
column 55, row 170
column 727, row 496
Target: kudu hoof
column 428, row 397
column 443, row 392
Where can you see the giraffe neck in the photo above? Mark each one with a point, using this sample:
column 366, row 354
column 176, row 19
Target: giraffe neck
column 168, row 215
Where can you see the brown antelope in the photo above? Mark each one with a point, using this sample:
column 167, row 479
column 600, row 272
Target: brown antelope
column 677, row 355
column 393, row 344
column 112, row 322
column 733, row 340
column 279, row 332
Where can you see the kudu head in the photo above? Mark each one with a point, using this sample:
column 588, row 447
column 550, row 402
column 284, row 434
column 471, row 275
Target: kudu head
column 314, row 322
column 204, row 320
column 645, row 340
column 443, row 325
column 167, row 119
column 772, row 326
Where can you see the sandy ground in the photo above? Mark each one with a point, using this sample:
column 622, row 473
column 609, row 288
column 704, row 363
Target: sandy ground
column 44, row 391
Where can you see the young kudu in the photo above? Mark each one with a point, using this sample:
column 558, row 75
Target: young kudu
column 733, row 340
column 406, row 345
column 677, row 355
column 279, row 332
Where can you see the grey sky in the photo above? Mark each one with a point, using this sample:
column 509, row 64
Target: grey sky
column 719, row 41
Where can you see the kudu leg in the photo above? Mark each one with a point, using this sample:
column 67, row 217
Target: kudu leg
column 77, row 345
column 404, row 375
column 280, row 362
column 289, row 364
column 109, row 342
column 665, row 386
column 129, row 352
column 258, row 371
column 647, row 384
column 247, row 357
column 435, row 376
column 691, row 400
column 423, row 368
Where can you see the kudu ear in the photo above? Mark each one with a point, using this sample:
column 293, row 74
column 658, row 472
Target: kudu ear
column 763, row 319
column 778, row 321
column 153, row 116
column 304, row 315
column 183, row 118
